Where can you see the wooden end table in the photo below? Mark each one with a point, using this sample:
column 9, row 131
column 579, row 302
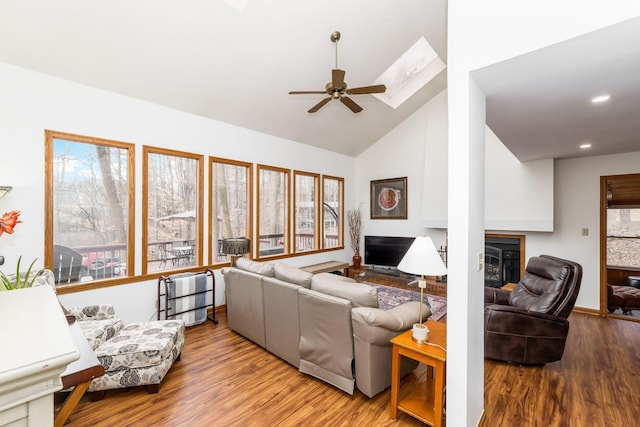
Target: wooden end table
column 425, row 402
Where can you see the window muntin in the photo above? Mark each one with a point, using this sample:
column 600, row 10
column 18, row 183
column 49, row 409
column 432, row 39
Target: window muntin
column 88, row 208
column 230, row 204
column 332, row 212
column 273, row 211
column 172, row 211
column 306, row 230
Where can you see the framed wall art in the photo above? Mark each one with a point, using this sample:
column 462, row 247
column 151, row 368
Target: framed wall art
column 389, row 198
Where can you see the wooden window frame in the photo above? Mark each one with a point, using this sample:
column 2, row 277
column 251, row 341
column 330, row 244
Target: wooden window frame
column 146, row 150
column 341, row 214
column 212, row 244
column 49, row 204
column 316, row 226
column 287, row 197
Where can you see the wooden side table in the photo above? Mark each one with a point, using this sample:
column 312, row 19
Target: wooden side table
column 425, row 402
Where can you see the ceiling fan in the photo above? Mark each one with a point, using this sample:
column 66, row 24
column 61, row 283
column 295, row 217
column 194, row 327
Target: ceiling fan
column 337, row 88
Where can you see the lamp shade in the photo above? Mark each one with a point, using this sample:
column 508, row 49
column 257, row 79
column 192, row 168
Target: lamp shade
column 423, row 259
column 236, row 246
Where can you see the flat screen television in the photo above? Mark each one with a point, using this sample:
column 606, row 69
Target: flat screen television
column 385, row 251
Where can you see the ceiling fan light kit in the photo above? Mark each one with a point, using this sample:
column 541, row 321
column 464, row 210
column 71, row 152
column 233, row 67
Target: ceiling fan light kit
column 338, row 89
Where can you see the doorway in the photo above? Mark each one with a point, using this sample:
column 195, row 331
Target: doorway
column 619, row 240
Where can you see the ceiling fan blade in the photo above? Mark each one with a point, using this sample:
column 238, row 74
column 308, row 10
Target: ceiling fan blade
column 305, row 92
column 367, row 89
column 350, row 104
column 337, row 78
column 319, row 105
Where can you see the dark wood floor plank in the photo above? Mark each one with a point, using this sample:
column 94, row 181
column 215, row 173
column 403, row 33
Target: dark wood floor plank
column 223, row 379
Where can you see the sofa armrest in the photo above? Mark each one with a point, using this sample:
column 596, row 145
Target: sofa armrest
column 379, row 326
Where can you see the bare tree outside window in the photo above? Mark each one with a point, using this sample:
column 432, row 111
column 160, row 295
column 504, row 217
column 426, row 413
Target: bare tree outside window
column 87, row 214
column 273, row 208
column 332, row 212
column 230, row 204
column 173, row 221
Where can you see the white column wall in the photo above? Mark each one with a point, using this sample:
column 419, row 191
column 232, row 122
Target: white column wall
column 482, row 33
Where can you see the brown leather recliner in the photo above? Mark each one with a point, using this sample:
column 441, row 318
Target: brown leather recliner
column 529, row 325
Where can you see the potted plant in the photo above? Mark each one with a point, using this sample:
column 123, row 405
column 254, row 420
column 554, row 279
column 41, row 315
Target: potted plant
column 354, row 217
column 20, row 279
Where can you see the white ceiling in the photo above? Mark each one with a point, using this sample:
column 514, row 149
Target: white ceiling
column 539, row 104
column 206, row 58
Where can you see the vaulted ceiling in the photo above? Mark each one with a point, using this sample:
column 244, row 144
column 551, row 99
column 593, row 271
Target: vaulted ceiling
column 236, row 65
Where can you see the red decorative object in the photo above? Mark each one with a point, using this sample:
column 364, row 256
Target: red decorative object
column 8, row 221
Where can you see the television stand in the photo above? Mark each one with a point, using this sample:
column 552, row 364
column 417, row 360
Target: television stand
column 397, row 279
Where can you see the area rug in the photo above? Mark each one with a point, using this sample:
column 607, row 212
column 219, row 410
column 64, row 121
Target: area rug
column 389, row 297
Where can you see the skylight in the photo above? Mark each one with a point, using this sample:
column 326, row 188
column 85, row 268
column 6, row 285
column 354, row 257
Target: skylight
column 414, row 69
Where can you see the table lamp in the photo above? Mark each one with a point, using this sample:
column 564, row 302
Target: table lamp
column 422, row 259
column 236, row 247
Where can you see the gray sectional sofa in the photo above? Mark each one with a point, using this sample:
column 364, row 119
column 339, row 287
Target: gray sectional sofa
column 326, row 325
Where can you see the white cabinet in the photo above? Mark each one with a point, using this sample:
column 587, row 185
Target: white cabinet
column 37, row 345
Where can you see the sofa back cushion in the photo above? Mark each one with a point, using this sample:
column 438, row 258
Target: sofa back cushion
column 360, row 294
column 293, row 275
column 262, row 268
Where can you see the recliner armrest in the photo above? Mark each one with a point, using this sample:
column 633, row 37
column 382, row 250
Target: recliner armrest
column 518, row 321
column 496, row 296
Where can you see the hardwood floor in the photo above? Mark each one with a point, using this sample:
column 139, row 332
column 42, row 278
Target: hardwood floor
column 223, row 379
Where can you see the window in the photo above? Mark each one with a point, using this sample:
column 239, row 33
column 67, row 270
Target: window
column 305, row 188
column 273, row 211
column 623, row 237
column 172, row 211
column 332, row 212
column 230, row 204
column 88, row 208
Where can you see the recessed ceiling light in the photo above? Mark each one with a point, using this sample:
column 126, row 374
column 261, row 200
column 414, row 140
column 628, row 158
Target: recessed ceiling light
column 601, row 98
column 585, row 146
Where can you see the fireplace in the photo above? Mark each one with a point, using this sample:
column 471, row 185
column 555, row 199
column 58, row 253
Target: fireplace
column 502, row 260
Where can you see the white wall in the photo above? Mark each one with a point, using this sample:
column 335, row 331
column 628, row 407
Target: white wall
column 519, row 196
column 400, row 153
column 32, row 102
column 577, row 200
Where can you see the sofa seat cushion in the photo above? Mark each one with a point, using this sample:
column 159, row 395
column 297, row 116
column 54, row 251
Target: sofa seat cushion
column 99, row 331
column 360, row 294
column 142, row 344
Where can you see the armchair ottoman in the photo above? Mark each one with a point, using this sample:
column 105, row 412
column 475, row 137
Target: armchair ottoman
column 140, row 354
